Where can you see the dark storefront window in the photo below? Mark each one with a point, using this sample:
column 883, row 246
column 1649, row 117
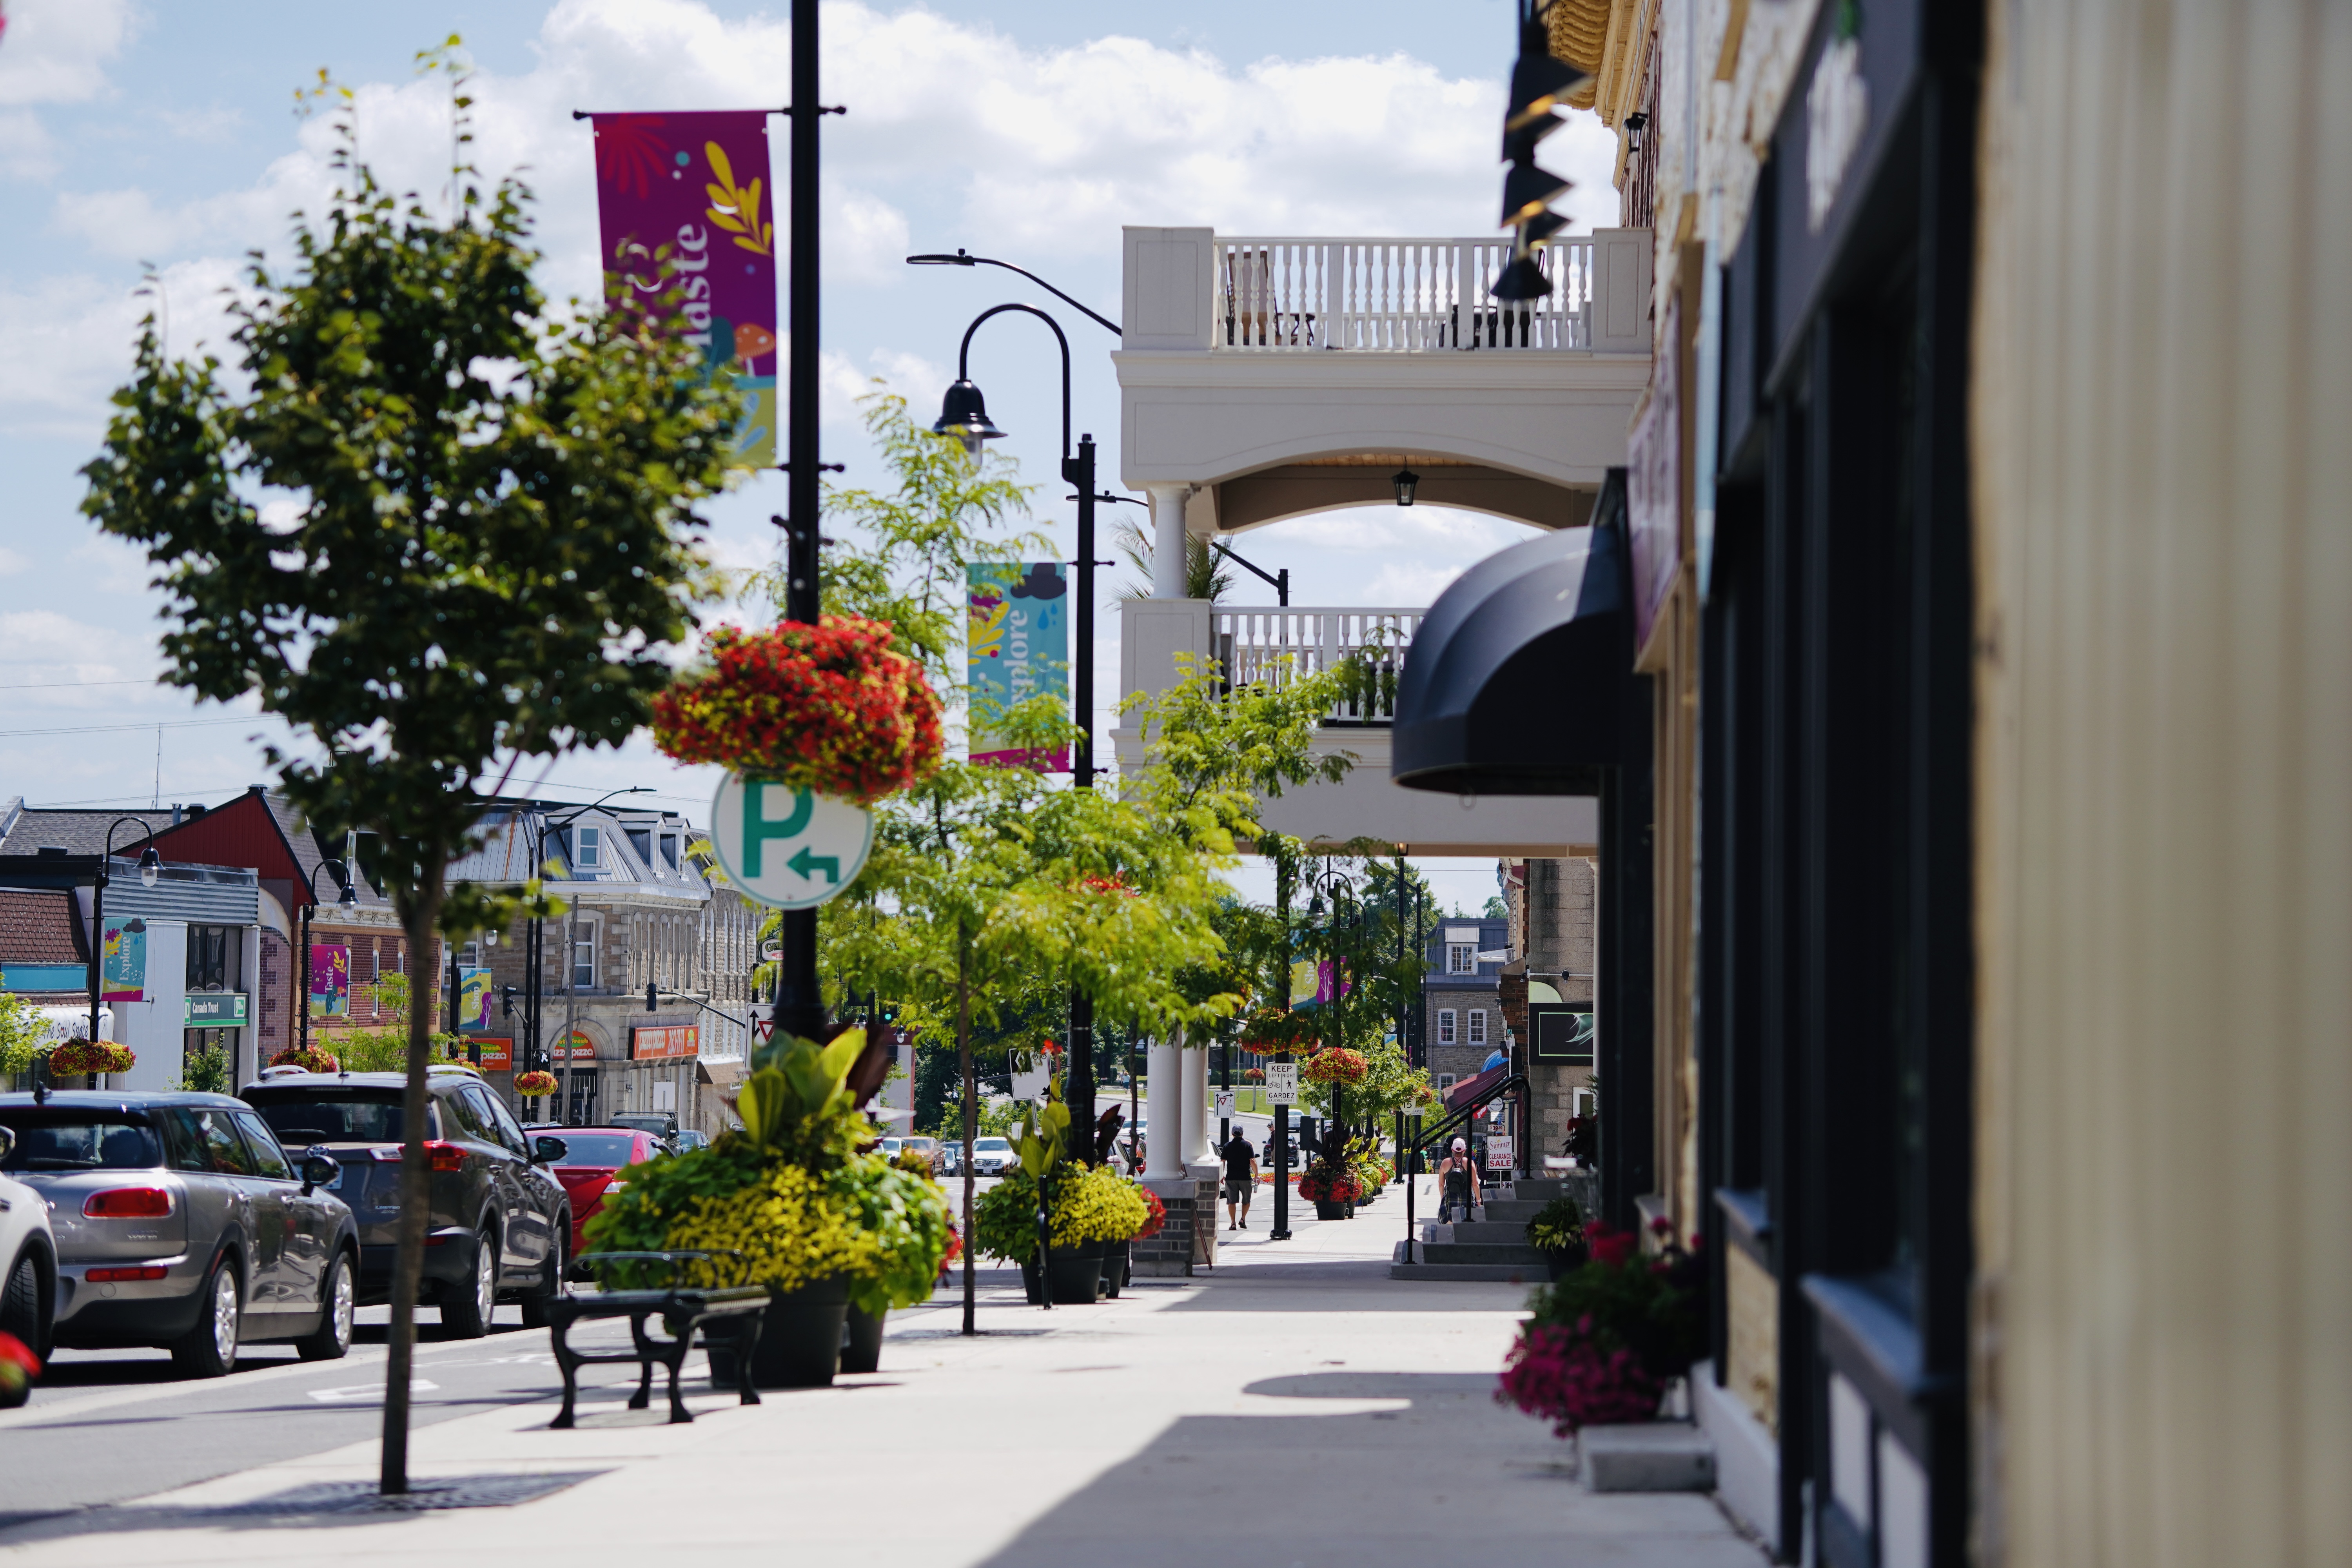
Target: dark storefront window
column 216, row 958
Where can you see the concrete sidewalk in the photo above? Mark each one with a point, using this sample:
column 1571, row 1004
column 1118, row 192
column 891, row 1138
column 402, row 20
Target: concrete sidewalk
column 1295, row 1407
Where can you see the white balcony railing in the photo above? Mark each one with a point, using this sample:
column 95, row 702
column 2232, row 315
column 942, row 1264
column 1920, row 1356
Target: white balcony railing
column 1250, row 644
column 1394, row 296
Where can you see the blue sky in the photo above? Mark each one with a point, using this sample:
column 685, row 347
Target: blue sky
column 163, row 133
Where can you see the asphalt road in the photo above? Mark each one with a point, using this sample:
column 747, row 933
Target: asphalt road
column 106, row 1425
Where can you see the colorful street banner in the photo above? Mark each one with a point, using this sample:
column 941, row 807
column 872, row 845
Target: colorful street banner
column 474, row 992
column 330, row 980
column 682, row 205
column 122, row 964
column 1016, row 645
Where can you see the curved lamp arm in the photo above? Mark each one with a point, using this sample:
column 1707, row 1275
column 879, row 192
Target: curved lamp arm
column 966, row 258
column 963, row 356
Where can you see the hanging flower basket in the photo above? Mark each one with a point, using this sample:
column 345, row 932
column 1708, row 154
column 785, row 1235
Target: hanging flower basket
column 309, row 1058
column 1336, row 1065
column 91, row 1056
column 829, row 708
column 1158, row 1217
column 532, row 1085
column 1278, row 1029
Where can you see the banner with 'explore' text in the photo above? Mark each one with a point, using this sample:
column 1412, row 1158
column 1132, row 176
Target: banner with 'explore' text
column 1016, row 646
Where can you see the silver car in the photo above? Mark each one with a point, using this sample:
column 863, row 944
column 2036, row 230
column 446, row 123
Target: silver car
column 181, row 1223
column 993, row 1156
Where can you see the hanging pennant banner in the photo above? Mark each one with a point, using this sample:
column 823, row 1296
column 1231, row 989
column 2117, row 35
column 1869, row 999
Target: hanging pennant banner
column 1016, row 646
column 682, row 205
column 123, row 969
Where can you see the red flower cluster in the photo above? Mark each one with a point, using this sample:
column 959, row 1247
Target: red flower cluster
column 1610, row 1244
column 828, row 707
column 1159, row 1215
column 309, row 1058
column 1106, row 885
column 1561, row 1373
column 954, row 1251
column 1336, row 1064
column 91, row 1056
column 1326, row 1183
column 1253, row 1075
column 18, row 1367
column 532, row 1085
column 1278, row 1029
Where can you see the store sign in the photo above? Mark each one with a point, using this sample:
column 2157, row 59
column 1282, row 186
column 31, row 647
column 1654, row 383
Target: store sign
column 575, row 1048
column 214, row 1010
column 123, row 966
column 1282, row 1083
column 1498, row 1150
column 330, row 980
column 1653, row 483
column 498, row 1055
column 662, row 1042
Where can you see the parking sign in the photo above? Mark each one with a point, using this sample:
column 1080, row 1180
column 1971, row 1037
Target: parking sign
column 789, row 848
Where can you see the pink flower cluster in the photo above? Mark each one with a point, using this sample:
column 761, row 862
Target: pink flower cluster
column 1562, row 1375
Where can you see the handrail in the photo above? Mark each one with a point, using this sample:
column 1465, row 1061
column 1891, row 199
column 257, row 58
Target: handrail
column 1462, row 1115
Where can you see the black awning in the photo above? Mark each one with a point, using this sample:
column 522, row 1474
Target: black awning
column 1514, row 681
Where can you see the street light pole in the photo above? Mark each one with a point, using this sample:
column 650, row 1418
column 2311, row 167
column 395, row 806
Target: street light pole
column 151, row 867
column 534, row 986
column 347, row 900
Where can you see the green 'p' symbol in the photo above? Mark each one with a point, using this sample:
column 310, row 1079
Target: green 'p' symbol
column 758, row 829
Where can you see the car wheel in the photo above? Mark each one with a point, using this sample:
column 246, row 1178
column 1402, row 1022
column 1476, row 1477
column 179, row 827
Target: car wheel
column 466, row 1307
column 209, row 1350
column 332, row 1339
column 536, row 1300
column 20, row 1305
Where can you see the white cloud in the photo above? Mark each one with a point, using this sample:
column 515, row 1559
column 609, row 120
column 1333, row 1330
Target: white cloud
column 69, row 340
column 57, row 50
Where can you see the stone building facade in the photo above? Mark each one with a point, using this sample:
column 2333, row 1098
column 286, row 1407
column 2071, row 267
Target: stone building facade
column 1462, row 1013
column 1549, row 910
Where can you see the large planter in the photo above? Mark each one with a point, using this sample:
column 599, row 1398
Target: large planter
column 1073, row 1276
column 861, row 1348
column 1325, row 1208
column 1118, row 1266
column 800, row 1338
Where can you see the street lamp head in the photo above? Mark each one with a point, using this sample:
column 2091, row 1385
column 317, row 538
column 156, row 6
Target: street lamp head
column 963, row 413
column 348, row 899
column 962, row 257
column 151, row 867
column 1406, row 482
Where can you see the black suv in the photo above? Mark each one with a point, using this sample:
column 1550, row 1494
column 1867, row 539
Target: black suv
column 500, row 1225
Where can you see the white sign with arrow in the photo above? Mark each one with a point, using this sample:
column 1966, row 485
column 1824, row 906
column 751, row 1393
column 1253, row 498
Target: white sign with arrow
column 791, row 848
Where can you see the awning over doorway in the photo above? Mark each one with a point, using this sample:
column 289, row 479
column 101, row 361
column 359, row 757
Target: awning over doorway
column 1513, row 681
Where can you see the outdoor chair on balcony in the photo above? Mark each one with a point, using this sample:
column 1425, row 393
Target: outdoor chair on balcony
column 1252, row 319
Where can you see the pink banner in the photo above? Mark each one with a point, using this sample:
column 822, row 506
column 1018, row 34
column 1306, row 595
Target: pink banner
column 684, row 204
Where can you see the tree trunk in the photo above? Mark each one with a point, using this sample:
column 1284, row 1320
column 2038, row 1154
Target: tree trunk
column 415, row 1197
column 970, row 1131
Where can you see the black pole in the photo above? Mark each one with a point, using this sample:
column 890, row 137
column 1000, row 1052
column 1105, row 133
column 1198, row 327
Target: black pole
column 303, row 1001
column 800, row 1006
column 97, row 936
column 1281, row 1231
column 1080, row 469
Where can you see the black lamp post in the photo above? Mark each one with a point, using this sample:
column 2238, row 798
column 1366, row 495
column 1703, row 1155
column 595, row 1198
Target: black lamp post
column 963, row 413
column 151, row 868
column 534, row 983
column 348, row 899
column 1341, row 889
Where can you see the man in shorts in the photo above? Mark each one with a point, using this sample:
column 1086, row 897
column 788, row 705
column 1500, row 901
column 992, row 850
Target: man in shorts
column 1241, row 1180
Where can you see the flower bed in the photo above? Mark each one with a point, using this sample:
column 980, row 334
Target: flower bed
column 1599, row 1346
column 309, row 1058
column 91, row 1056
column 830, row 708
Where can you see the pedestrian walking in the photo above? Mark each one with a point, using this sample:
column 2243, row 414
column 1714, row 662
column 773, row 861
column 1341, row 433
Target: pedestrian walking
column 1241, row 1179
column 1457, row 1179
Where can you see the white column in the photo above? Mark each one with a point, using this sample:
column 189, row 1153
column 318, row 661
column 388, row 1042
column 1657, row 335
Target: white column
column 1164, row 1086
column 1196, row 1106
column 1168, row 541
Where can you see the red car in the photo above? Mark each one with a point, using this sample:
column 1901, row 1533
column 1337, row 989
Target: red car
column 592, row 1155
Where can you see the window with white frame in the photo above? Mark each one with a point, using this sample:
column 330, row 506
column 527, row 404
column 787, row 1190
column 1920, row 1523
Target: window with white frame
column 587, row 846
column 1445, row 1026
column 1445, row 1083
column 1460, row 958
column 1478, row 1025
column 583, row 955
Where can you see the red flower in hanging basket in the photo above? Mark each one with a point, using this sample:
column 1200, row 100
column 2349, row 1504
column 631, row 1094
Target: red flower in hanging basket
column 309, row 1058
column 1336, row 1065
column 91, row 1056
column 1159, row 1215
column 1278, row 1029
column 828, row 707
column 531, row 1085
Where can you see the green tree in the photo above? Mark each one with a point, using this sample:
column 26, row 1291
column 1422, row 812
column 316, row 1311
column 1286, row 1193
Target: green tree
column 493, row 542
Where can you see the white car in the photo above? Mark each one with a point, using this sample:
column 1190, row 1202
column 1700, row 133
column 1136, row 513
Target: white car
column 29, row 1290
column 993, row 1156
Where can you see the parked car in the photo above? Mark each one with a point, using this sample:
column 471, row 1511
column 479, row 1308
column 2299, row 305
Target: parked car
column 951, row 1158
column 690, row 1138
column 992, row 1156
column 662, row 1124
column 592, row 1159
column 500, row 1227
column 182, row 1223
column 929, row 1148
column 28, row 1290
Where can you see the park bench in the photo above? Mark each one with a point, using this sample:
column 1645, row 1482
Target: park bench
column 683, row 1308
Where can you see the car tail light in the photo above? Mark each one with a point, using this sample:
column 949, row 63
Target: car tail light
column 128, row 1202
column 107, row 1276
column 438, row 1155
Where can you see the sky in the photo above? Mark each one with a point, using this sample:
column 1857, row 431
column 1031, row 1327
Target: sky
column 163, row 137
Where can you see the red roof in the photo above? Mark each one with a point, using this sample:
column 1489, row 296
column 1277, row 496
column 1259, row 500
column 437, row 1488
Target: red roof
column 39, row 926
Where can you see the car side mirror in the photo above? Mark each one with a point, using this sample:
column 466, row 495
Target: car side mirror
column 318, row 1171
column 548, row 1150
column 8, row 1142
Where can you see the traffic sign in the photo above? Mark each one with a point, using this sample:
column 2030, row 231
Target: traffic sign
column 1224, row 1105
column 1282, row 1083
column 791, row 848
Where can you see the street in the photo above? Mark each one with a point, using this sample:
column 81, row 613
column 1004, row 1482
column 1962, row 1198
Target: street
column 1293, row 1400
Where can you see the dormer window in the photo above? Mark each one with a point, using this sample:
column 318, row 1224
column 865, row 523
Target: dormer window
column 588, row 847
column 1460, row 958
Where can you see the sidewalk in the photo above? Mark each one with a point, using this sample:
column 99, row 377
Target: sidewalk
column 1295, row 1407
